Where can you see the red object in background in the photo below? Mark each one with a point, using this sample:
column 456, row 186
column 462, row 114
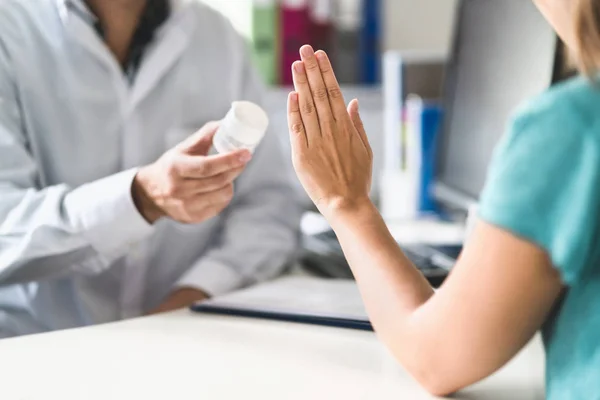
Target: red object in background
column 321, row 13
column 295, row 33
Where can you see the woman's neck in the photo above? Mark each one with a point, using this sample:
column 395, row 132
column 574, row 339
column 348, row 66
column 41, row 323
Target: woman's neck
column 119, row 20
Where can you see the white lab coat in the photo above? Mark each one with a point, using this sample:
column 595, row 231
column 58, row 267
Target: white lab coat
column 73, row 248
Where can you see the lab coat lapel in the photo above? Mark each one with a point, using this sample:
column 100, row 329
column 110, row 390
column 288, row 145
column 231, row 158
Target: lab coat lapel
column 81, row 32
column 172, row 41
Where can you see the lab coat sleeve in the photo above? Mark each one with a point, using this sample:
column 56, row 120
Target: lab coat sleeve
column 47, row 232
column 261, row 231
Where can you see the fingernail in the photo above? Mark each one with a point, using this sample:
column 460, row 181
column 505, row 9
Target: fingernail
column 299, row 67
column 245, row 157
column 321, row 55
column 307, row 51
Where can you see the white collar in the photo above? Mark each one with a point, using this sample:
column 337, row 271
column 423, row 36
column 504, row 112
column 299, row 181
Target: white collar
column 65, row 7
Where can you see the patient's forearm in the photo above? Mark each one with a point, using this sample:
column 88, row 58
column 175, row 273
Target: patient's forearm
column 391, row 287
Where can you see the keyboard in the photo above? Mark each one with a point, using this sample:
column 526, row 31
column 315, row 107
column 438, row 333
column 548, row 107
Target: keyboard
column 323, row 255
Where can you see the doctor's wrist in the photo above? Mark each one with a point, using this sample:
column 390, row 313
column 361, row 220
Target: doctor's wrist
column 142, row 200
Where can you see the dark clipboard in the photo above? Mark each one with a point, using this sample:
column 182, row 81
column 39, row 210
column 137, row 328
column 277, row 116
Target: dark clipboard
column 346, row 323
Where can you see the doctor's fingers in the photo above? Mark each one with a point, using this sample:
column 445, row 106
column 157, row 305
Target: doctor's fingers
column 192, row 187
column 215, row 199
column 200, row 142
column 198, row 167
column 198, row 208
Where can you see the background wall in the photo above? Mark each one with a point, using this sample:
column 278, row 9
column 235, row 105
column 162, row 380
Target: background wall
column 419, row 24
column 238, row 11
column 409, row 24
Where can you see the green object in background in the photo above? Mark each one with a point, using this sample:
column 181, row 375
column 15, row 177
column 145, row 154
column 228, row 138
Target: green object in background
column 265, row 29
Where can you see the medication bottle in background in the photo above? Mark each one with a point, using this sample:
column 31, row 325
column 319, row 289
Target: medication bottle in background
column 243, row 127
column 406, row 181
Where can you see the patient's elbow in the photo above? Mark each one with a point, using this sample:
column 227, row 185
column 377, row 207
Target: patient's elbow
column 439, row 372
column 439, row 386
column 435, row 379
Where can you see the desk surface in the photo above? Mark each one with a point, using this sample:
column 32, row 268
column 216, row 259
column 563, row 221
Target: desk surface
column 184, row 356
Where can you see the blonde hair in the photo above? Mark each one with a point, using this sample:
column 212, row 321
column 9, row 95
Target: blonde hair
column 587, row 35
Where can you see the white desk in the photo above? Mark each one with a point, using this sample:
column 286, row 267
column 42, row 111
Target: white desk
column 186, row 356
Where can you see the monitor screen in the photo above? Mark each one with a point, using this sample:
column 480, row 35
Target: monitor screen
column 504, row 52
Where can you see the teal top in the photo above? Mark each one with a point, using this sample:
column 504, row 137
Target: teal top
column 544, row 186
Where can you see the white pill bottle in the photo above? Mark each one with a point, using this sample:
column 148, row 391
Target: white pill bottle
column 243, row 127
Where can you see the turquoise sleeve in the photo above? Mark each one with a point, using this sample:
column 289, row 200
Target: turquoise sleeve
column 544, row 186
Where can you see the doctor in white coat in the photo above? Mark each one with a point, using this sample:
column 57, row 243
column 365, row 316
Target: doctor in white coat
column 109, row 207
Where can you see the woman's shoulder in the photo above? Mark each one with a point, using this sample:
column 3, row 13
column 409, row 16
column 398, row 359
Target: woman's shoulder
column 543, row 179
column 570, row 106
column 556, row 130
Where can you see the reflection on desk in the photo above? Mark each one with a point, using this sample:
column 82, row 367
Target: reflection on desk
column 183, row 355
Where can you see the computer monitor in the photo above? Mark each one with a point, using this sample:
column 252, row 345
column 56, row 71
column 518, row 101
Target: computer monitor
column 504, row 52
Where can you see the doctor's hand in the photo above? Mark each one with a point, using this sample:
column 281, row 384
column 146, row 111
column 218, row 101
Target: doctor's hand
column 180, row 298
column 186, row 184
column 331, row 154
